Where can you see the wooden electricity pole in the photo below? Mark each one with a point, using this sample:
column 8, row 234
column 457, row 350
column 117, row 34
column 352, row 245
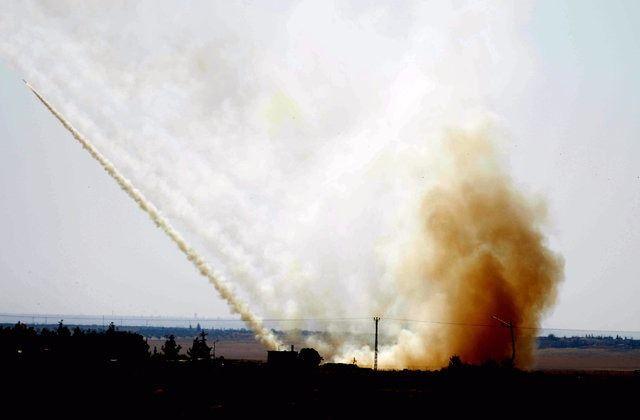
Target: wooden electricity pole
column 376, row 319
column 509, row 325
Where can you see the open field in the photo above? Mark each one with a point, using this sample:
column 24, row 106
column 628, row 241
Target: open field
column 545, row 359
column 587, row 359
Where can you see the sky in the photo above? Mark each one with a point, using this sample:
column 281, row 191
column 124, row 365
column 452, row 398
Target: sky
column 73, row 242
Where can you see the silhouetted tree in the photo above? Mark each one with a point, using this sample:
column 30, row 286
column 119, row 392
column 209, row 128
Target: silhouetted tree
column 155, row 355
column 170, row 349
column 62, row 330
column 199, row 349
column 309, row 357
column 25, row 343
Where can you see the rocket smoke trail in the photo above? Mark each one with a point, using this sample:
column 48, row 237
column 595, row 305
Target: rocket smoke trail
column 237, row 306
column 323, row 179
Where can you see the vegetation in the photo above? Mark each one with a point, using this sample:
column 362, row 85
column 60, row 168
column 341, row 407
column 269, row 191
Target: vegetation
column 170, row 349
column 309, row 358
column 200, row 350
column 588, row 341
column 22, row 342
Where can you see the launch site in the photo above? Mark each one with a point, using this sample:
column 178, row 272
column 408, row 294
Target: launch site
column 319, row 209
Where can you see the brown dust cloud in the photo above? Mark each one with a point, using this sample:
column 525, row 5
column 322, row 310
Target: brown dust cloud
column 480, row 254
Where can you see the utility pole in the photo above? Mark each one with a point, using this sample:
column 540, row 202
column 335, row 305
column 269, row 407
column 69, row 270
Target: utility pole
column 509, row 325
column 376, row 319
column 214, row 349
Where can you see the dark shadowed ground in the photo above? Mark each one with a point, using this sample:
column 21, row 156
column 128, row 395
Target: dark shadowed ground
column 241, row 389
column 65, row 373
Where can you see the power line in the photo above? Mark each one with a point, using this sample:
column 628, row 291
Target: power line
column 423, row 321
column 520, row 327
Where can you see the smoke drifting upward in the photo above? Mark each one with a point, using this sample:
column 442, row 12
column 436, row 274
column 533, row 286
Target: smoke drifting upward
column 301, row 147
column 476, row 251
column 484, row 254
column 253, row 322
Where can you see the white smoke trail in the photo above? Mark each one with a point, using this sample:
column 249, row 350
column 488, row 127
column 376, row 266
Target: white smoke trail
column 252, row 321
column 287, row 149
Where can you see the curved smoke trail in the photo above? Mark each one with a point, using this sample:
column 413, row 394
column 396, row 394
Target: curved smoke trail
column 237, row 306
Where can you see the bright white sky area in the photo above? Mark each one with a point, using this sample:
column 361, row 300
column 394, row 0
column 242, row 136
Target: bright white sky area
column 74, row 243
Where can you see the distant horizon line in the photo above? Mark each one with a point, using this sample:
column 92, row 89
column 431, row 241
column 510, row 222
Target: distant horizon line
column 177, row 318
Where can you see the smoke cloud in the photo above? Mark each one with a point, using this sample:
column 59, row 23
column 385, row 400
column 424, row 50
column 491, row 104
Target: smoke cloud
column 486, row 254
column 309, row 152
column 479, row 254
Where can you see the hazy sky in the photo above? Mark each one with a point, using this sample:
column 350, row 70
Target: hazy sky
column 74, row 243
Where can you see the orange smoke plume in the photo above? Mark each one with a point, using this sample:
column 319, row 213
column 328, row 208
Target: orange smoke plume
column 486, row 255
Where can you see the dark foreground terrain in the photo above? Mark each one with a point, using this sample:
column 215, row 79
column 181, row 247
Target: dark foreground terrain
column 239, row 389
column 112, row 374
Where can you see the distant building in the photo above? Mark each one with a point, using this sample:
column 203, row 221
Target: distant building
column 282, row 359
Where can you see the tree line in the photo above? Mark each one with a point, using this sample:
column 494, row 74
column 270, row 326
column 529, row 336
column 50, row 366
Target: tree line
column 23, row 342
column 588, row 341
